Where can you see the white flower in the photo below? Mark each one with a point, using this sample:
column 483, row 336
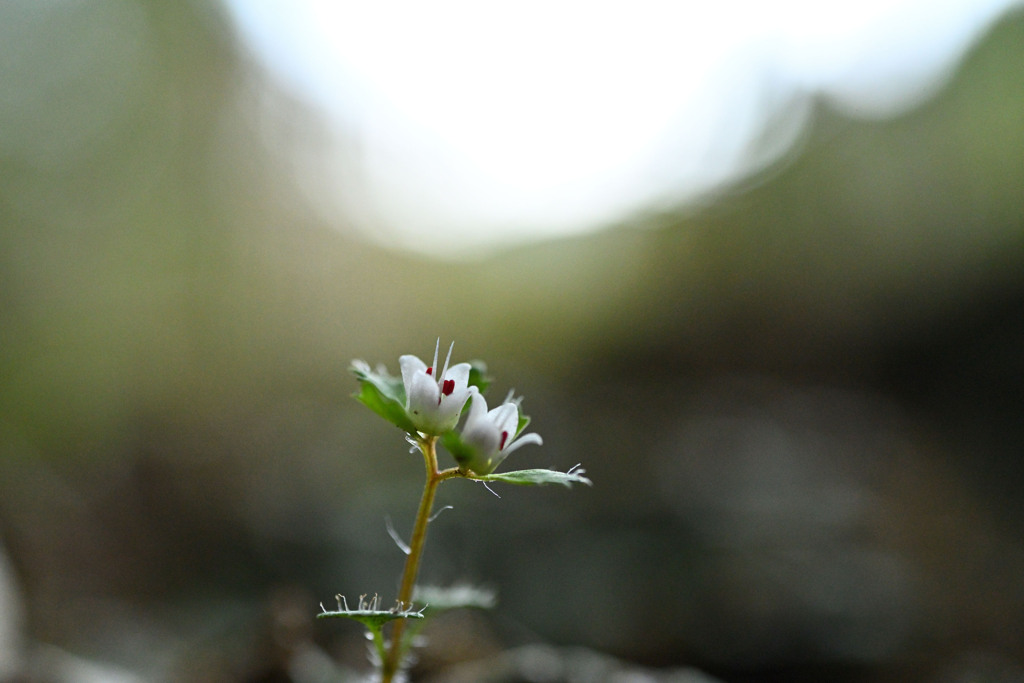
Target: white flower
column 434, row 400
column 491, row 436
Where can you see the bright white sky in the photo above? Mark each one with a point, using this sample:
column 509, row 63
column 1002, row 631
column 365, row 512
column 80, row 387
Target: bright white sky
column 469, row 126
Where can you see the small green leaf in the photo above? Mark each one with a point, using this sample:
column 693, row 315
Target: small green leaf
column 382, row 393
column 478, row 376
column 460, row 450
column 368, row 614
column 523, row 421
column 393, row 412
column 539, row 477
column 436, row 599
column 372, row 620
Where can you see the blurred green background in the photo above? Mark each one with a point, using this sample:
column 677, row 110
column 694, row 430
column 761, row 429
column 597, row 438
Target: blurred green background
column 800, row 401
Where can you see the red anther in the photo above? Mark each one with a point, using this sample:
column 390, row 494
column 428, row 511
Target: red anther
column 447, row 387
column 430, row 371
column 504, row 438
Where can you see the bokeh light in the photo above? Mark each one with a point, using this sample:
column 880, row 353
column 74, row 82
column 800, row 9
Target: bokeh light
column 463, row 127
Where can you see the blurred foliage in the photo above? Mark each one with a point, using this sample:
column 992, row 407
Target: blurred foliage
column 799, row 401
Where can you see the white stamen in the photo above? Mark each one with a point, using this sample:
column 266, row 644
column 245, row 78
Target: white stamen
column 440, row 377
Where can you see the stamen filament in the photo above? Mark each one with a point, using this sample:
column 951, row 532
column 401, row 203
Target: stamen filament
column 448, row 358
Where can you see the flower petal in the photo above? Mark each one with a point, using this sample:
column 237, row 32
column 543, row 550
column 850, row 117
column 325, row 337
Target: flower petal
column 423, row 399
column 410, row 365
column 532, row 437
column 459, row 373
column 480, row 432
column 505, row 418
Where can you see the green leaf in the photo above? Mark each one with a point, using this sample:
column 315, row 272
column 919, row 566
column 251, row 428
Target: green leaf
column 368, row 614
column 372, row 620
column 478, row 376
column 523, row 421
column 382, row 393
column 436, row 599
column 463, row 453
column 539, row 477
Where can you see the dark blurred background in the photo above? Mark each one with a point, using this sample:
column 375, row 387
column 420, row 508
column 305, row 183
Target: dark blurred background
column 800, row 400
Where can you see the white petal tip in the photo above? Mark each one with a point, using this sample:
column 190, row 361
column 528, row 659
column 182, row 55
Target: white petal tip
column 523, row 440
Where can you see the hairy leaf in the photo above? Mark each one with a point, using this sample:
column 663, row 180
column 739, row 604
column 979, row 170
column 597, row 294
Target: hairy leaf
column 539, row 477
column 382, row 393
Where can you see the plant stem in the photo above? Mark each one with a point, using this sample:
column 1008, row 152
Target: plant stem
column 378, row 642
column 392, row 662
